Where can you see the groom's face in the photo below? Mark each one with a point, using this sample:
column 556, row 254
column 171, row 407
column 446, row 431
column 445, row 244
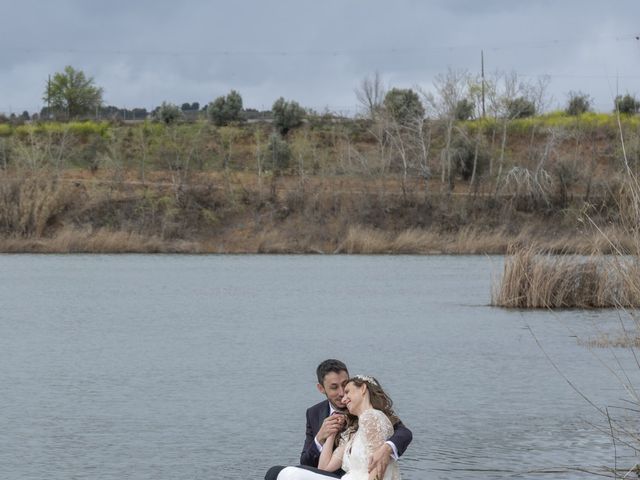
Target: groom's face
column 333, row 387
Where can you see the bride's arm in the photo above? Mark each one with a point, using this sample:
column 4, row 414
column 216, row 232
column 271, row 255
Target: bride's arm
column 376, row 428
column 330, row 459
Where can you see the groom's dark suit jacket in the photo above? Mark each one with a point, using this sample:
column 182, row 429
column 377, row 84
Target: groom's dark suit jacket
column 401, row 437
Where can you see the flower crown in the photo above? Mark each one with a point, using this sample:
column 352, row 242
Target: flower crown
column 366, row 378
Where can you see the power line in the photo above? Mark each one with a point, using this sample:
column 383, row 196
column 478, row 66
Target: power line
column 543, row 44
column 562, row 75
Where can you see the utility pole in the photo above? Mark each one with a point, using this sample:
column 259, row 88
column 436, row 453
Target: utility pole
column 482, row 73
column 49, row 97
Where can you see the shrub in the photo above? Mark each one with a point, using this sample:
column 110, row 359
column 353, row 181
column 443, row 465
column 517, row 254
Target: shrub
column 463, row 152
column 89, row 128
column 627, row 104
column 578, row 103
column 464, row 110
column 520, row 107
column 287, row 115
column 30, row 205
column 224, row 110
column 403, row 105
column 278, row 154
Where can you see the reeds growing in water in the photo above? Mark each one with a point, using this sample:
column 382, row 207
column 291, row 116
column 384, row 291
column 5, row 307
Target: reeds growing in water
column 534, row 279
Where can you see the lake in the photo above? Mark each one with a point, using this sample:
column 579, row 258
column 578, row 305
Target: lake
column 202, row 367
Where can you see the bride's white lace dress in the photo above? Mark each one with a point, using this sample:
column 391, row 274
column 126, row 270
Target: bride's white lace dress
column 374, row 428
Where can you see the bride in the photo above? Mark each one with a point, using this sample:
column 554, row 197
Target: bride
column 369, row 425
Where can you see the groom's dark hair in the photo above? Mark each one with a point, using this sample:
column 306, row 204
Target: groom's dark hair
column 330, row 365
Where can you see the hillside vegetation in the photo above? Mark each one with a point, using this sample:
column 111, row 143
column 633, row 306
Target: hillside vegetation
column 329, row 185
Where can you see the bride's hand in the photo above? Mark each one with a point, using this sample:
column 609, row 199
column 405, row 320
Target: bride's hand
column 331, row 426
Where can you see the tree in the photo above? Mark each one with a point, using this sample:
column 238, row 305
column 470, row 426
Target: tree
column 168, row 113
column 511, row 98
column 287, row 115
column 627, row 104
column 578, row 103
column 224, row 110
column 70, row 92
column 403, row 105
column 370, row 95
column 451, row 103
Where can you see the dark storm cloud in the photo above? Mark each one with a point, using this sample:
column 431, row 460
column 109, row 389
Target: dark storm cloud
column 144, row 52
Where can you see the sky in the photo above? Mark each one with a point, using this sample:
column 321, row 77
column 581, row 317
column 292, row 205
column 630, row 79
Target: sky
column 316, row 52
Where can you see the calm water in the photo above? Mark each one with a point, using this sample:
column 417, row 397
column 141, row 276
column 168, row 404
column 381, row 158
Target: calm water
column 201, row 367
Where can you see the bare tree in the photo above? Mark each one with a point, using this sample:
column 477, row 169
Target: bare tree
column 451, row 89
column 405, row 138
column 370, row 94
column 513, row 99
column 539, row 93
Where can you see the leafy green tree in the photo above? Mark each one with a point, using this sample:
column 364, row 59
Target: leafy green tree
column 578, row 103
column 287, row 115
column 224, row 110
column 216, row 111
column 403, row 105
column 72, row 93
column 168, row 113
column 627, row 104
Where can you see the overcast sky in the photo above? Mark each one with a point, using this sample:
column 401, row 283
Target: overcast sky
column 313, row 51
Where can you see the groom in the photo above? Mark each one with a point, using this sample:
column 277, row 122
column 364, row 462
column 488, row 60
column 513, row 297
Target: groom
column 327, row 418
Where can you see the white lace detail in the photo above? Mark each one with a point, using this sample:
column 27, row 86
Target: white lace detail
column 374, row 428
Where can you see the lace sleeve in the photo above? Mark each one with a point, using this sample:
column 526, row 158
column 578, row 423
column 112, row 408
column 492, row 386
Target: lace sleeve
column 376, row 428
column 339, row 451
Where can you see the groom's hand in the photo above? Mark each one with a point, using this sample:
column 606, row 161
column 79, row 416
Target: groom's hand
column 331, row 426
column 379, row 461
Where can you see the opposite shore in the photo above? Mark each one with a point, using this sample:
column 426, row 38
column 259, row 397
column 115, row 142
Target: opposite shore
column 332, row 186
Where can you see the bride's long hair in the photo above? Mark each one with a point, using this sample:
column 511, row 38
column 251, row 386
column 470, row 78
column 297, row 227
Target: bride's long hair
column 378, row 398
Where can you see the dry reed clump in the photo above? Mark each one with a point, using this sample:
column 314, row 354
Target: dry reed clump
column 369, row 241
column 365, row 241
column 362, row 240
column 69, row 240
column 106, row 241
column 606, row 341
column 534, row 279
column 469, row 240
column 273, row 241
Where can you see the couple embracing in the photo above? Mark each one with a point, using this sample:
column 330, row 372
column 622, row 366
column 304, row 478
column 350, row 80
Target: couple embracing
column 354, row 434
